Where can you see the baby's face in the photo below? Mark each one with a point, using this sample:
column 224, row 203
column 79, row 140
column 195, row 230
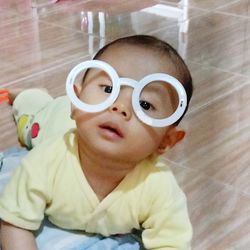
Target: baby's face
column 117, row 131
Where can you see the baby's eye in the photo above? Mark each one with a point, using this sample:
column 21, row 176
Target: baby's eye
column 107, row 88
column 146, row 105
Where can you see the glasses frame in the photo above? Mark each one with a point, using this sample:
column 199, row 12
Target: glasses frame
column 137, row 88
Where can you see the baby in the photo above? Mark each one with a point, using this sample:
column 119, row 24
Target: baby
column 100, row 171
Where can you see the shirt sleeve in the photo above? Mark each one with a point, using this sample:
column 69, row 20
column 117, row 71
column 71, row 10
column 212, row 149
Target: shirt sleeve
column 25, row 197
column 167, row 225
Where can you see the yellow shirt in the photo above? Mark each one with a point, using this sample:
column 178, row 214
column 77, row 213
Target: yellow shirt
column 50, row 181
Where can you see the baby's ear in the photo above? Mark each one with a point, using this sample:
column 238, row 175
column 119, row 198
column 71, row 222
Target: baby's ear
column 171, row 138
column 73, row 111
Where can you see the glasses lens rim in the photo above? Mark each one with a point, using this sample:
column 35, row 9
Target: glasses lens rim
column 155, row 122
column 88, row 65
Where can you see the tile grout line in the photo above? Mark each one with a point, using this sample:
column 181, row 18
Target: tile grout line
column 11, row 22
column 63, row 27
column 225, row 5
column 217, row 99
column 41, row 72
column 222, row 95
column 182, row 165
column 220, row 69
column 231, row 14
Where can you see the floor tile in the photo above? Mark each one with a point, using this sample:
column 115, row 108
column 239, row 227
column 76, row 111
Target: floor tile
column 241, row 7
column 39, row 47
column 7, row 17
column 218, row 140
column 222, row 41
column 206, row 4
column 26, row 7
column 211, row 84
column 219, row 214
column 53, row 79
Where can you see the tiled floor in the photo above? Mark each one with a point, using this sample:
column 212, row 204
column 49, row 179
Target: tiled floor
column 38, row 47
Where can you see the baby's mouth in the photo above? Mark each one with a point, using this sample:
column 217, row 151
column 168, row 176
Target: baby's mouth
column 113, row 129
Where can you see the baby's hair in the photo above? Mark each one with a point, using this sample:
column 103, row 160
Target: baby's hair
column 163, row 48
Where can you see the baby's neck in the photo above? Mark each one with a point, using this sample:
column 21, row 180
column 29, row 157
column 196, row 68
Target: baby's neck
column 102, row 174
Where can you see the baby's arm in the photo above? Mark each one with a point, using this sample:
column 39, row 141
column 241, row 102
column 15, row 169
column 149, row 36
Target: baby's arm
column 15, row 238
column 166, row 224
column 23, row 202
column 168, row 228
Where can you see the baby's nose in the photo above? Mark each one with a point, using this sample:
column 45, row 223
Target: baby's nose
column 121, row 109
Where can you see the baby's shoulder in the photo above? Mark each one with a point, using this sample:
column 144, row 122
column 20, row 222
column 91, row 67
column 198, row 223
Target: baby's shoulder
column 158, row 170
column 159, row 179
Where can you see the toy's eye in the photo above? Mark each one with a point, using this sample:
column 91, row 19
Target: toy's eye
column 146, row 105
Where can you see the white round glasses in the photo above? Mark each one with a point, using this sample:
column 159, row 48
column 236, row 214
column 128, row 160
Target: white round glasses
column 152, row 97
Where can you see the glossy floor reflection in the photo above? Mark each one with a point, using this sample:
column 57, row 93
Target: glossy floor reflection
column 39, row 46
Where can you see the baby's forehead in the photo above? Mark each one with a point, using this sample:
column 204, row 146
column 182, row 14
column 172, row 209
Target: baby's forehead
column 136, row 62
